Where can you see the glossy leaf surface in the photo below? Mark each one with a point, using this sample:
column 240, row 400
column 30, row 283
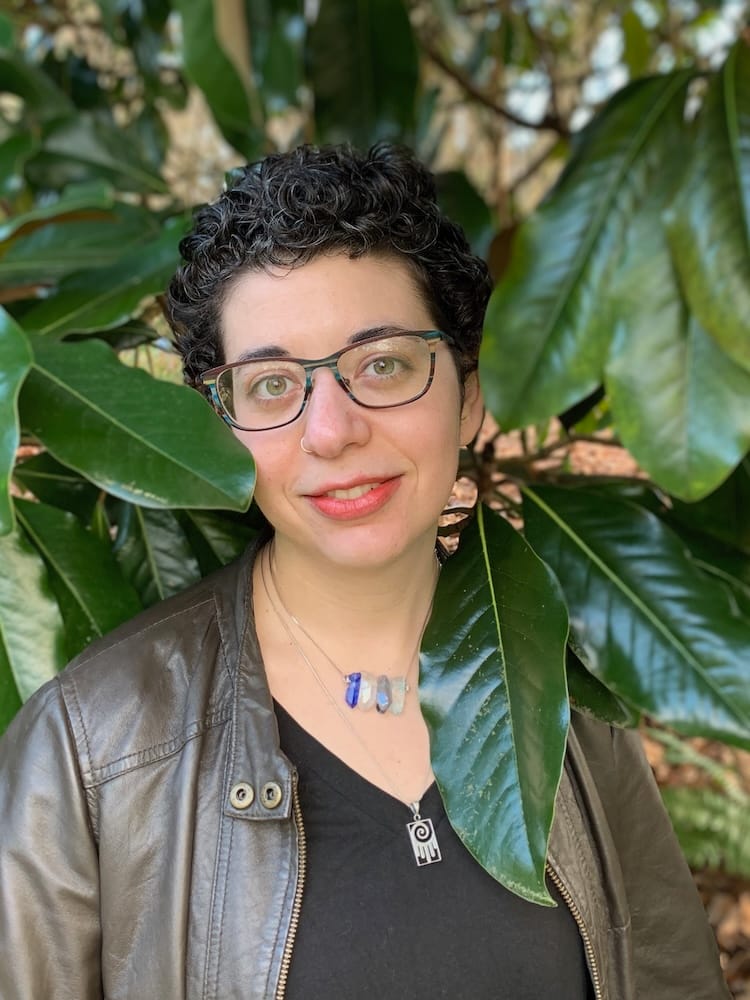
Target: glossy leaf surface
column 31, row 629
column 710, row 224
column 59, row 248
column 364, row 71
column 101, row 299
column 215, row 538
column 15, row 362
column 76, row 198
column 492, row 667
column 151, row 442
column 153, row 553
column 650, row 625
column 90, row 147
column 590, row 697
column 724, row 515
column 56, row 484
column 680, row 405
column 95, row 596
column 551, row 314
column 229, row 90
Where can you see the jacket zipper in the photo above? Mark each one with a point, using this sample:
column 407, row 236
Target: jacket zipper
column 576, row 914
column 286, row 958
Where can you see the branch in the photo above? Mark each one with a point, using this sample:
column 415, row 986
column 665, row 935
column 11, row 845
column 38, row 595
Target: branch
column 548, row 123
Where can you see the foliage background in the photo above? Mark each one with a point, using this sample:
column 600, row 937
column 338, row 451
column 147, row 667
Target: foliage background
column 597, row 154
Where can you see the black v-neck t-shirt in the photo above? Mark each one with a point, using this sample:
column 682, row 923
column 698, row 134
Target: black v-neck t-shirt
column 376, row 926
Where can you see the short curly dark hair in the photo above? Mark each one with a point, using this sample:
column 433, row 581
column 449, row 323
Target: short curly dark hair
column 290, row 207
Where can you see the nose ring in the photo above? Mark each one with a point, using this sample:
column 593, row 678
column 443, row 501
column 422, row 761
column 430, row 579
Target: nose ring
column 302, row 446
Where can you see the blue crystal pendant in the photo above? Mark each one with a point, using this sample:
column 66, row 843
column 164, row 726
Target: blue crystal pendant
column 366, row 691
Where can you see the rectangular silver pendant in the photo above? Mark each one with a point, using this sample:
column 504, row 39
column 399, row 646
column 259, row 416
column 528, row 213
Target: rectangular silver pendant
column 424, row 842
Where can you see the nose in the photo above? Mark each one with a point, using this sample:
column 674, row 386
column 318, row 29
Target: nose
column 332, row 420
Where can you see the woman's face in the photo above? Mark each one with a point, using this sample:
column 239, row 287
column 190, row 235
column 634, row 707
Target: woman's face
column 373, row 486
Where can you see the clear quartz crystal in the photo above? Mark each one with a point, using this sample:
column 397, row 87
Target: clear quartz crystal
column 398, row 695
column 368, row 691
column 383, row 696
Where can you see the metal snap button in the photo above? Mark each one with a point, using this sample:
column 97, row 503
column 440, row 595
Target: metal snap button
column 241, row 795
column 271, row 794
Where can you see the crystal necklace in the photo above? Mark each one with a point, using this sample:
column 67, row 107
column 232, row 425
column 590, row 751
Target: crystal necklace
column 363, row 690
column 422, row 837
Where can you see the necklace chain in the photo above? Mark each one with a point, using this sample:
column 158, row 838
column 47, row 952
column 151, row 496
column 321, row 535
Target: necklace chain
column 412, row 803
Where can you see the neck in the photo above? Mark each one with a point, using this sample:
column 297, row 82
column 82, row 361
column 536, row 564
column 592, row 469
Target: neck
column 385, row 605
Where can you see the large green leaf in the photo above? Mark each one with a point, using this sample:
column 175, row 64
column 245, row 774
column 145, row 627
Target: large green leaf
column 230, row 92
column 43, row 100
column 55, row 484
column 216, row 538
column 724, row 515
column 364, row 70
column 92, row 592
column 651, row 626
column 94, row 147
column 14, row 152
column 277, row 35
column 590, row 697
column 152, row 442
column 153, row 553
column 549, row 322
column 73, row 244
column 680, row 405
column 15, row 362
column 76, row 198
column 710, row 223
column 493, row 693
column 100, row 299
column 31, row 629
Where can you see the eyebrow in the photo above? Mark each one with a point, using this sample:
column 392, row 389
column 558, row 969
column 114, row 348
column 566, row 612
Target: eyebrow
column 276, row 351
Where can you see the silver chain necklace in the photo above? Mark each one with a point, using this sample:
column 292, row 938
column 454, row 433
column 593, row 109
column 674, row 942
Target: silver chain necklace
column 422, row 837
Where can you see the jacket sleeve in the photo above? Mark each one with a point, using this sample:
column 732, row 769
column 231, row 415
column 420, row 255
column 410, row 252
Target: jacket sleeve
column 49, row 883
column 674, row 949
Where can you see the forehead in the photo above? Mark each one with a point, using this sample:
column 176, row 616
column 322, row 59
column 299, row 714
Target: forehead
column 313, row 309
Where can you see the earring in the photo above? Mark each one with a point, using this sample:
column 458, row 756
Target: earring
column 302, row 446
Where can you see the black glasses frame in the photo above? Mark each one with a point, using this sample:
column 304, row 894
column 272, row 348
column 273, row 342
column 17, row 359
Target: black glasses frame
column 208, row 380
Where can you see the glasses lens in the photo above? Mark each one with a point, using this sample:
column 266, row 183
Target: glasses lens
column 262, row 394
column 387, row 372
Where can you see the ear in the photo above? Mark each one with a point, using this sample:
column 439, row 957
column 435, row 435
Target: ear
column 472, row 411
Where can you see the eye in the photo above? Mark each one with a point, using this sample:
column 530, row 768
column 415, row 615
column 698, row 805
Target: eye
column 268, row 386
column 384, row 366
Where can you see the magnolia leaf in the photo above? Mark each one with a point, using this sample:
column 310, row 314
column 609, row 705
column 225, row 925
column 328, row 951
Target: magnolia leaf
column 590, row 697
column 551, row 313
column 364, row 70
column 216, row 54
column 493, row 693
column 709, row 225
column 153, row 553
column 56, row 484
column 141, row 439
column 74, row 243
column 31, row 628
column 216, row 538
column 74, row 199
column 100, row 299
column 15, row 362
column 83, row 567
column 652, row 627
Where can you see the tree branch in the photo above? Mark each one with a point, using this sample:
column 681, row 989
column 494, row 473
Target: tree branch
column 548, row 123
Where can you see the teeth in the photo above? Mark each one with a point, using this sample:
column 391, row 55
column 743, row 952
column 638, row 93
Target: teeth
column 353, row 493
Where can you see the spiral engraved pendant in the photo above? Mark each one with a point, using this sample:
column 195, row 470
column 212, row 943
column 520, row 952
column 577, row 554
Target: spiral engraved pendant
column 423, row 841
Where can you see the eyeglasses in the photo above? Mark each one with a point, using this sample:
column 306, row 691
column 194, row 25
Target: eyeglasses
column 378, row 373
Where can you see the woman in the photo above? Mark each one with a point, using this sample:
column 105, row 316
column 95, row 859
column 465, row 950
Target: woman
column 231, row 796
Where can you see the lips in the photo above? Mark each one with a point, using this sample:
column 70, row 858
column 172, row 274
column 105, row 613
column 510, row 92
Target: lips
column 353, row 493
column 347, row 501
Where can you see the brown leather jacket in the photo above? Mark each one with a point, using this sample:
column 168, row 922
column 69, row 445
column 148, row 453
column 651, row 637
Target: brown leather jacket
column 152, row 846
